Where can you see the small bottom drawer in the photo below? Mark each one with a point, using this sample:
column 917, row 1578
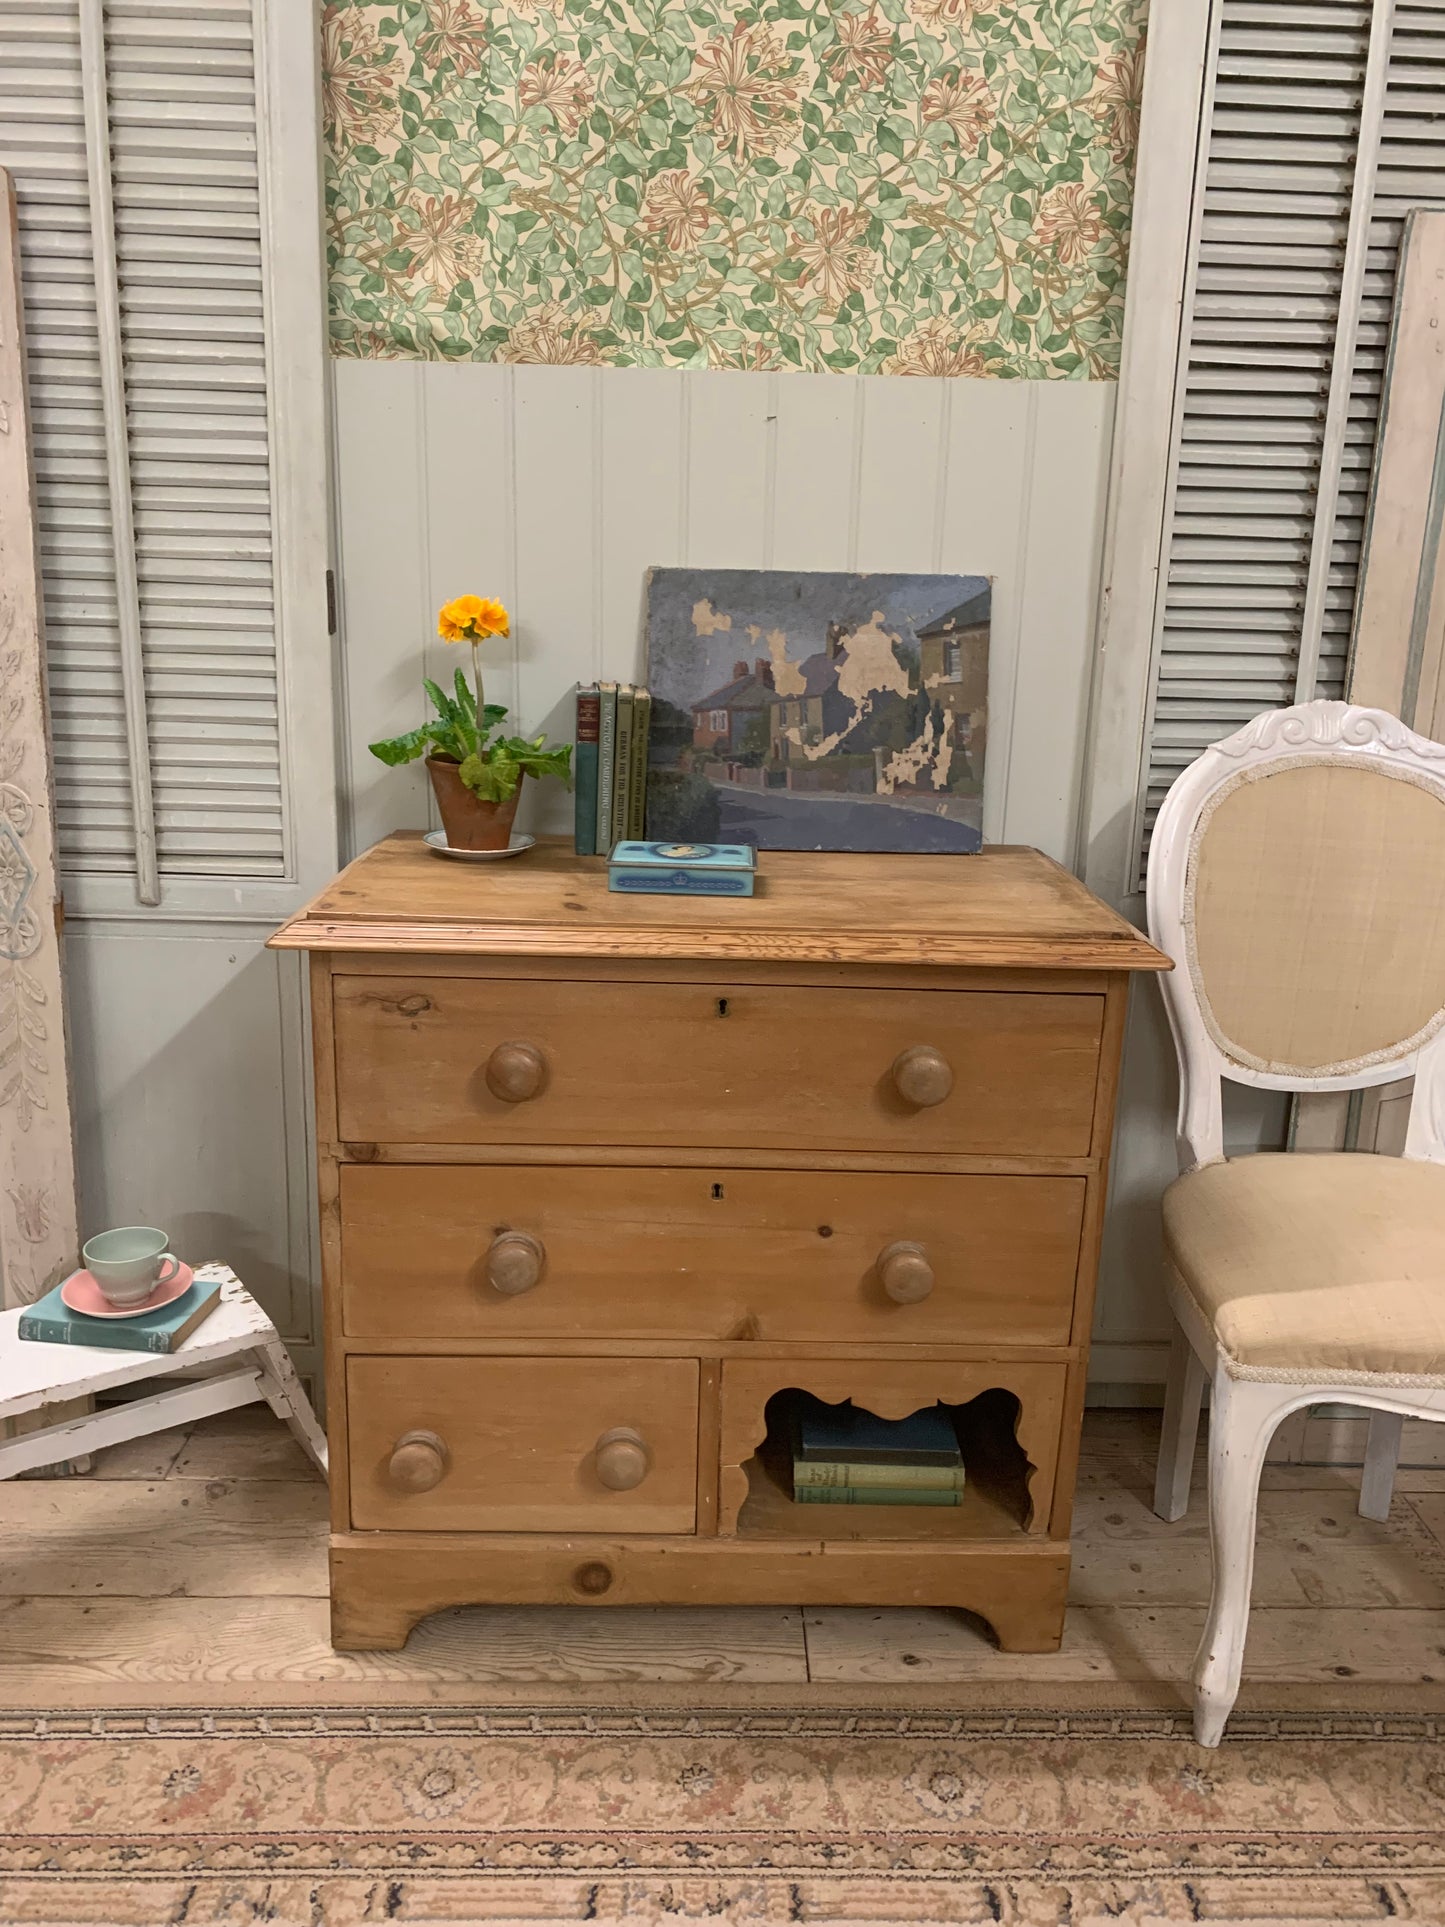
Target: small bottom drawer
column 523, row 1444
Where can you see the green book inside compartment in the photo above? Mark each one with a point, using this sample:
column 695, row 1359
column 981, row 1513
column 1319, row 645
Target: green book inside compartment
column 873, row 1495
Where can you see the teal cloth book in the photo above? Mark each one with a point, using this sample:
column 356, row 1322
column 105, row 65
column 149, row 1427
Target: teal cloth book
column 51, row 1322
column 847, row 1437
column 589, row 724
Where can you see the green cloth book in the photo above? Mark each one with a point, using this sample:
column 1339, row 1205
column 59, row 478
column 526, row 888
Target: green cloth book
column 637, row 788
column 589, row 720
column 872, row 1495
column 622, row 768
column 51, row 1322
column 606, row 762
column 863, row 1478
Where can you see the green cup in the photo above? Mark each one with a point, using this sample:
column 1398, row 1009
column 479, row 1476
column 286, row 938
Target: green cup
column 129, row 1263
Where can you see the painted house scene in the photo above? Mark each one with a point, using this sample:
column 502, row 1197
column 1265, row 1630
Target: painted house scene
column 818, row 711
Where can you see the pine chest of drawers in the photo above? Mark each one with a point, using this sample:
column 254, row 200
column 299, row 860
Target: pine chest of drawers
column 612, row 1188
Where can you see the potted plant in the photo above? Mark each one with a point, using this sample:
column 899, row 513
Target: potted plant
column 475, row 772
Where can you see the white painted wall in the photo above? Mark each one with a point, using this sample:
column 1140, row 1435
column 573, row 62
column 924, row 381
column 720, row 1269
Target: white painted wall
column 190, row 1088
column 557, row 488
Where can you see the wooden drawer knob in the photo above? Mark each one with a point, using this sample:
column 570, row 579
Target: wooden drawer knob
column 515, row 1072
column 923, row 1075
column 905, row 1272
column 622, row 1459
column 515, row 1262
column 419, row 1460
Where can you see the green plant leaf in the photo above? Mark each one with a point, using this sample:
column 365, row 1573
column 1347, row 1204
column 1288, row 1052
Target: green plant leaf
column 406, row 749
column 486, row 778
column 441, row 702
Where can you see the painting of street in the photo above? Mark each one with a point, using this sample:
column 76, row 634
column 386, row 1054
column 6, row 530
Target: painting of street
column 818, row 711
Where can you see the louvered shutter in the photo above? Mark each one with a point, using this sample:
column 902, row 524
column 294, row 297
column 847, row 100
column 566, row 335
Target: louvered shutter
column 1322, row 127
column 202, row 743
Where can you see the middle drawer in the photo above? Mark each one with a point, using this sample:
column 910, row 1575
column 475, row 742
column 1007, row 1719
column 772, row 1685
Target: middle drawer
column 468, row 1251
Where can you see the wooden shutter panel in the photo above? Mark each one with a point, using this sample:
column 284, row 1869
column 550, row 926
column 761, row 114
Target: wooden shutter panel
column 191, row 299
column 1319, row 133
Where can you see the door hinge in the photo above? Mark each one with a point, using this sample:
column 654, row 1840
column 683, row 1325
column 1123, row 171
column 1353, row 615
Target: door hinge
column 331, row 602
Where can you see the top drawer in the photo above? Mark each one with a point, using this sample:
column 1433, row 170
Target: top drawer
column 467, row 1060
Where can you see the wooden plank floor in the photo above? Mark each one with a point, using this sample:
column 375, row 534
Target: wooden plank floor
column 191, row 1569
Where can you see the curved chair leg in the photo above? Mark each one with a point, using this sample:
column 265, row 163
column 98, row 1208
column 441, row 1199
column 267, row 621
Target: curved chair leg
column 1382, row 1457
column 1242, row 1420
column 1183, row 1395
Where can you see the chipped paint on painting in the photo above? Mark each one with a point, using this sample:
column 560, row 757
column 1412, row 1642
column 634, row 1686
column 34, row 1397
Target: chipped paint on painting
column 818, row 711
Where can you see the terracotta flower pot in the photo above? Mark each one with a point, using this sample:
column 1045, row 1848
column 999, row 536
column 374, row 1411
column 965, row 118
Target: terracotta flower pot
column 469, row 821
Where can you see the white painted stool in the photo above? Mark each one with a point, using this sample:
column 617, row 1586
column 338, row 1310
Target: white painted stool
column 238, row 1345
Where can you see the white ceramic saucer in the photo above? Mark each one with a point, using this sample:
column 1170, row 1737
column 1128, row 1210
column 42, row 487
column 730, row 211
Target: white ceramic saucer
column 437, row 840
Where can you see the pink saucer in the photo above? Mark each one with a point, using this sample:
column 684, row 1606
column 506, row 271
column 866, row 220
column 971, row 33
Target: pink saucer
column 81, row 1293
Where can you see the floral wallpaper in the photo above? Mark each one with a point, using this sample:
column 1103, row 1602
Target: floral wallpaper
column 913, row 187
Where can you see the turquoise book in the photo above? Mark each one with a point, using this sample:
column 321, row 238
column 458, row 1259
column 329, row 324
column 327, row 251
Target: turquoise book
column 841, row 1436
column 49, row 1321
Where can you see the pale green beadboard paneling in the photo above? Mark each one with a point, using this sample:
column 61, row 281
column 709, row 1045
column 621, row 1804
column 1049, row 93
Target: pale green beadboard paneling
column 917, row 187
column 598, row 477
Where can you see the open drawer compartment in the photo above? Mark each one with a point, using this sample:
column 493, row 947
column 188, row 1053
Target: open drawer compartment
column 1006, row 1417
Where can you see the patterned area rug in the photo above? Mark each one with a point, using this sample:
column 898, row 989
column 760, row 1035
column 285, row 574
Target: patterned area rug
column 437, row 1815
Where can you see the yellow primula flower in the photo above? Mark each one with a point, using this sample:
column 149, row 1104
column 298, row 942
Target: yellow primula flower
column 472, row 618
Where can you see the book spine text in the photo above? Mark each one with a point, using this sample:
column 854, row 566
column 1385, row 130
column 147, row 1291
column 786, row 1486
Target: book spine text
column 606, row 763
column 871, row 1495
column 589, row 728
column 834, row 1472
column 622, row 777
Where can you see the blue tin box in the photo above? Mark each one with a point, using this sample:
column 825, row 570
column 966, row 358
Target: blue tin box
column 682, row 869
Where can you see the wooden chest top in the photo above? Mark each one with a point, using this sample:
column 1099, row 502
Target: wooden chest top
column 1006, row 908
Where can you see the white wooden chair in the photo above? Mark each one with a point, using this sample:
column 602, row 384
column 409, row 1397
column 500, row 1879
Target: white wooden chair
column 236, row 1351
column 1297, row 879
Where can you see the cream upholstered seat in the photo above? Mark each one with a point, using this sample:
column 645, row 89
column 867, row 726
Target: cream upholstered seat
column 1297, row 879
column 1316, row 1265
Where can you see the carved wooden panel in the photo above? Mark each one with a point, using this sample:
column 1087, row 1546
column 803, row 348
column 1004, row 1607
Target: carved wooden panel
column 37, row 1164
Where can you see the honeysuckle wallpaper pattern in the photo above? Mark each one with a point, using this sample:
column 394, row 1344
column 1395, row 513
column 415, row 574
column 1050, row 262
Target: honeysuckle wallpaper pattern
column 913, row 187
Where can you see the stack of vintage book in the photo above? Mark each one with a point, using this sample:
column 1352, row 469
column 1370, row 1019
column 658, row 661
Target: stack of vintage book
column 613, row 724
column 847, row 1457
